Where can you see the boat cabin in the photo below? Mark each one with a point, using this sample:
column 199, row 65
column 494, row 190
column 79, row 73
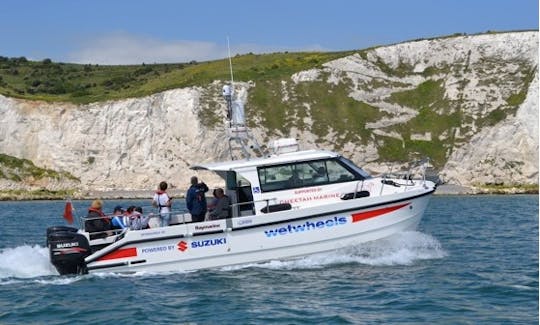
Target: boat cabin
column 291, row 180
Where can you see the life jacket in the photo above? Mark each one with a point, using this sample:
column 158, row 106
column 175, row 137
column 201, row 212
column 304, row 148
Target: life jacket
column 100, row 213
column 159, row 194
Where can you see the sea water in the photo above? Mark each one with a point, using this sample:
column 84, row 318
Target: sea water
column 473, row 260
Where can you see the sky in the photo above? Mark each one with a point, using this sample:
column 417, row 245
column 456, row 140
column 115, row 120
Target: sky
column 166, row 31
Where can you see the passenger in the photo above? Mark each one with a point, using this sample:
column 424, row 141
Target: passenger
column 196, row 200
column 119, row 220
column 214, row 201
column 129, row 211
column 138, row 220
column 97, row 221
column 221, row 210
column 320, row 175
column 162, row 201
column 295, row 180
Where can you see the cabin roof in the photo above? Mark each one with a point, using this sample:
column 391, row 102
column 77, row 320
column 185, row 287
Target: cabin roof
column 284, row 158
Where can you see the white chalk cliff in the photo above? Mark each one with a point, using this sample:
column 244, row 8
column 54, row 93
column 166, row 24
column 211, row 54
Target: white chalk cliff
column 136, row 143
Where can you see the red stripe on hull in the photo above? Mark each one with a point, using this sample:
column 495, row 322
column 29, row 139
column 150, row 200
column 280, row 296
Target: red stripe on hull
column 121, row 253
column 375, row 213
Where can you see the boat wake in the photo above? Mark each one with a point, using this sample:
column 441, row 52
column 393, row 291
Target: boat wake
column 24, row 262
column 404, row 248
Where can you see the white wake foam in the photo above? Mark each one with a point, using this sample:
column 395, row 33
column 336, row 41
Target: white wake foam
column 400, row 249
column 25, row 262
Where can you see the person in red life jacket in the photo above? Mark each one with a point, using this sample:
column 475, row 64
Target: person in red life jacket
column 163, row 202
column 97, row 221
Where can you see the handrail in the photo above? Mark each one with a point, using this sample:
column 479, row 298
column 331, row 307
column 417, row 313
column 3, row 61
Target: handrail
column 356, row 188
column 82, row 220
column 407, row 176
column 235, row 205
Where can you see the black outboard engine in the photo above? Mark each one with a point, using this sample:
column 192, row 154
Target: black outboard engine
column 50, row 230
column 67, row 250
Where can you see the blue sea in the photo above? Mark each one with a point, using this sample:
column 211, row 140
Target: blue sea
column 473, row 260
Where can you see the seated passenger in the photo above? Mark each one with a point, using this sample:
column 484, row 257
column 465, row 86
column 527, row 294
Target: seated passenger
column 320, row 175
column 119, row 220
column 295, row 180
column 96, row 221
column 212, row 205
column 221, row 211
column 137, row 220
column 129, row 211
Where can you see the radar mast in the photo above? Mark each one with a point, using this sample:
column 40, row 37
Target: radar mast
column 241, row 143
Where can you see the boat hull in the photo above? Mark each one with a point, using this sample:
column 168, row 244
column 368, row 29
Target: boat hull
column 255, row 239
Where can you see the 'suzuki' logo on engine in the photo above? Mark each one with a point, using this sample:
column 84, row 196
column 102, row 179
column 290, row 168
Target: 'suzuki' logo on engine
column 182, row 246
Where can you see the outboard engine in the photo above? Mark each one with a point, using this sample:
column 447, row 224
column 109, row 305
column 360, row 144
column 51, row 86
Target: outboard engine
column 67, row 250
column 51, row 230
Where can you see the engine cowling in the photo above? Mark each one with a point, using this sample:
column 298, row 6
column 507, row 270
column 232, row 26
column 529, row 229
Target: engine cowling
column 67, row 250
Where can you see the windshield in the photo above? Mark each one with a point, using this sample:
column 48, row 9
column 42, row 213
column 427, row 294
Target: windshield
column 357, row 169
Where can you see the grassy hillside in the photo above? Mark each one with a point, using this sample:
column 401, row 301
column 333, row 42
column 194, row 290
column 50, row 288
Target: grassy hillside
column 66, row 82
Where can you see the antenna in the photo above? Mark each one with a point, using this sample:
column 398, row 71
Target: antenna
column 228, row 90
column 230, row 65
column 240, row 140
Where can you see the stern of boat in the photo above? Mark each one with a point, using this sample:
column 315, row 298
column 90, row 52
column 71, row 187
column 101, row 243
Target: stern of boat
column 68, row 249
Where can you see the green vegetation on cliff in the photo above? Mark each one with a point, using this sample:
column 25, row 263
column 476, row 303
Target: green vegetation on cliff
column 18, row 170
column 85, row 83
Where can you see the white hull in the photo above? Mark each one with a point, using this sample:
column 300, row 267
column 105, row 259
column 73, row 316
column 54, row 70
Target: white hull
column 252, row 239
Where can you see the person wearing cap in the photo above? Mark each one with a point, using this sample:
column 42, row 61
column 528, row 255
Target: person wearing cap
column 119, row 220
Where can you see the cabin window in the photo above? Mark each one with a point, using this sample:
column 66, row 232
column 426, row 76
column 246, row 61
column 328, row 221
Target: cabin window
column 275, row 178
column 350, row 165
column 319, row 172
column 231, row 180
column 244, row 196
column 304, row 174
column 338, row 173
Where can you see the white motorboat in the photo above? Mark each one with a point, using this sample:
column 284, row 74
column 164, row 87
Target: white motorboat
column 282, row 206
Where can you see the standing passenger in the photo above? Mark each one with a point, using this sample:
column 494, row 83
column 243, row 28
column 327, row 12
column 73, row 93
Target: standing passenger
column 196, row 200
column 162, row 201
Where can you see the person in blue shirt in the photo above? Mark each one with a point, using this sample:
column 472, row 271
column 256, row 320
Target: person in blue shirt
column 119, row 220
column 196, row 200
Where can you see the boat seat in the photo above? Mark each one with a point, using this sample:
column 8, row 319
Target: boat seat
column 180, row 218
